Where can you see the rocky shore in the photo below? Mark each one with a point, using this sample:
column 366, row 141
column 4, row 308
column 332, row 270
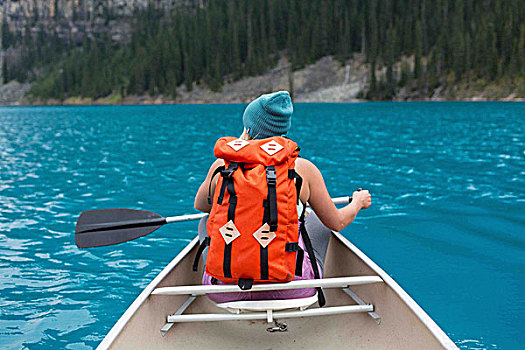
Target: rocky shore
column 12, row 93
column 328, row 80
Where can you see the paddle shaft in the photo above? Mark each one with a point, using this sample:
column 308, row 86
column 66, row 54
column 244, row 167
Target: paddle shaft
column 192, row 217
column 96, row 228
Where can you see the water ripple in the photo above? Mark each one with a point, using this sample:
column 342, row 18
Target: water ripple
column 448, row 183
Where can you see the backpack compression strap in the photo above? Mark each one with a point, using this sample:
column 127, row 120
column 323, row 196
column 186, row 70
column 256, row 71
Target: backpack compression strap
column 227, row 182
column 269, row 217
column 271, row 179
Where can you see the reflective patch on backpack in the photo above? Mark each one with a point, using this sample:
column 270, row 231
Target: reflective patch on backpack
column 272, row 147
column 264, row 236
column 229, row 232
column 238, row 144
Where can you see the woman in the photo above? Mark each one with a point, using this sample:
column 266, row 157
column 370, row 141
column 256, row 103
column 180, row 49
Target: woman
column 267, row 116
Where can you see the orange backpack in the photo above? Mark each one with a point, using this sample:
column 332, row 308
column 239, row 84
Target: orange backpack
column 253, row 228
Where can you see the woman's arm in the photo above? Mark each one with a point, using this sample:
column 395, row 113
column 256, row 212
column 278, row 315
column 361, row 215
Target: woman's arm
column 316, row 194
column 201, row 199
column 313, row 191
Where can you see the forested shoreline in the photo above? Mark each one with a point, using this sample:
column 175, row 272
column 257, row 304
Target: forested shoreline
column 416, row 45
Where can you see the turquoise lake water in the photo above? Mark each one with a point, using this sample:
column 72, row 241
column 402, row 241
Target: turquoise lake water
column 447, row 220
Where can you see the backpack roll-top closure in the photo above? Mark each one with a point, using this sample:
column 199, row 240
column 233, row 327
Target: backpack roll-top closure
column 275, row 150
column 254, row 217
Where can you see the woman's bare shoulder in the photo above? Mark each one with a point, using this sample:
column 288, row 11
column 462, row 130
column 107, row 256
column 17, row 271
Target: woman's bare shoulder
column 217, row 163
column 305, row 167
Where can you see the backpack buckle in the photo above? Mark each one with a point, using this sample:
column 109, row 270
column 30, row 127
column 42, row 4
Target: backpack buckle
column 231, row 169
column 292, row 247
column 271, row 176
column 245, row 283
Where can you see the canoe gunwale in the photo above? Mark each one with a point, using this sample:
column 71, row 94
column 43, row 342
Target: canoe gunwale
column 432, row 326
column 126, row 316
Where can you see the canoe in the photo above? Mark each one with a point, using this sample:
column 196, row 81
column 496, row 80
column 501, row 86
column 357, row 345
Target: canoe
column 366, row 309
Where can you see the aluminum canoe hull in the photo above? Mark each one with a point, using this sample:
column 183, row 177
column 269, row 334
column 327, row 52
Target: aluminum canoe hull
column 404, row 324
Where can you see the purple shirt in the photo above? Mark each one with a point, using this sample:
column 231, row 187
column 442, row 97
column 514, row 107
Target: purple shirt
column 308, row 274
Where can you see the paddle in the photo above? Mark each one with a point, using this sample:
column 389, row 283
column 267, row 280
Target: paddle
column 96, row 228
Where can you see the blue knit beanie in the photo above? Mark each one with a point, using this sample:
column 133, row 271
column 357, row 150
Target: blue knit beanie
column 269, row 115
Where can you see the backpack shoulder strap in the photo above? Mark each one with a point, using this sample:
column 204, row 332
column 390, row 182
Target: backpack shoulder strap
column 310, row 250
column 215, row 172
column 292, row 174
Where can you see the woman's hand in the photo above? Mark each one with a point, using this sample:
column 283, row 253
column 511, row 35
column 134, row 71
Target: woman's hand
column 362, row 198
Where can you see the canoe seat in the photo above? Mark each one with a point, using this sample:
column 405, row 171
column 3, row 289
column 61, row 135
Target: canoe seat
column 237, row 307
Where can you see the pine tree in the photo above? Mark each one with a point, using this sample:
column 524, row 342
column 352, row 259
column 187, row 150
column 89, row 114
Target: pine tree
column 290, row 41
column 372, row 42
column 7, row 39
column 406, row 75
column 5, row 73
column 521, row 50
column 458, row 41
column 372, row 91
column 468, row 54
column 56, row 7
column 188, row 77
column 492, row 55
column 389, row 61
column 418, row 67
column 205, row 42
column 290, row 82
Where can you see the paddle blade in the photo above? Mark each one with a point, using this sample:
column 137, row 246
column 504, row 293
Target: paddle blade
column 97, row 228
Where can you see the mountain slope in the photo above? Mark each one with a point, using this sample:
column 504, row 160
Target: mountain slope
column 417, row 50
